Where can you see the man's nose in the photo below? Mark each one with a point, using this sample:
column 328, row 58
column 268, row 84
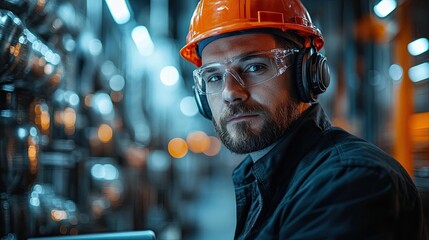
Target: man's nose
column 234, row 89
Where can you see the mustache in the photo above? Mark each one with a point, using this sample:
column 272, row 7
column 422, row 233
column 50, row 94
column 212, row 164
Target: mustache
column 241, row 109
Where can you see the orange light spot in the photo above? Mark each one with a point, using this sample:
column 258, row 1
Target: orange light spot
column 69, row 119
column 58, row 215
column 105, row 133
column 58, row 118
column 214, row 147
column 177, row 147
column 45, row 120
column 33, row 157
column 38, row 109
column 198, row 141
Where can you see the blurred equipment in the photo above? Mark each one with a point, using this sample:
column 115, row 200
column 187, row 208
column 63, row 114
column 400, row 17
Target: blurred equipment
column 19, row 150
column 29, row 69
column 26, row 62
column 68, row 163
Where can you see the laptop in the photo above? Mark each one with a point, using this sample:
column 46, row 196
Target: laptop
column 133, row 235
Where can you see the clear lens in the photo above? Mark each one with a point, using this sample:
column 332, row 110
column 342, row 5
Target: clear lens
column 249, row 70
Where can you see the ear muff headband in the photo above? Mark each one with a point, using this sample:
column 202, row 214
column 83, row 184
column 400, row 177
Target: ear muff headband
column 312, row 74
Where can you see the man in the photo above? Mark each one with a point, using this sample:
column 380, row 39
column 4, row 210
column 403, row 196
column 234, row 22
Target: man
column 258, row 77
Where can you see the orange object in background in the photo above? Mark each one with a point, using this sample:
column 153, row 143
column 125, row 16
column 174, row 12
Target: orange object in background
column 177, row 147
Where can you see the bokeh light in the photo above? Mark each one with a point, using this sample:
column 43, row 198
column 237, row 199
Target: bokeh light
column 169, row 75
column 198, row 141
column 69, row 120
column 214, row 147
column 396, row 72
column 143, row 40
column 177, row 147
column 418, row 46
column 102, row 103
column 58, row 215
column 188, row 106
column 104, row 171
column 105, row 133
column 419, row 72
column 117, row 82
column 385, row 7
column 119, row 10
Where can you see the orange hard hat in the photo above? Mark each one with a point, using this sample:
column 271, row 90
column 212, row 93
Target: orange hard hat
column 216, row 17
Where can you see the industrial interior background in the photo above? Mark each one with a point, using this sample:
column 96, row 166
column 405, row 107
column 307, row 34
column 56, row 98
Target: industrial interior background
column 99, row 131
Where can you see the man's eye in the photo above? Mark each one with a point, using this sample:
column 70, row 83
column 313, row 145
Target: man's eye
column 255, row 68
column 213, row 78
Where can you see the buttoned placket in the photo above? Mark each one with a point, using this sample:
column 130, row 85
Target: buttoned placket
column 249, row 204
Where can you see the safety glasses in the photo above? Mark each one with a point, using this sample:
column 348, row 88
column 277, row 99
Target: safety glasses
column 248, row 70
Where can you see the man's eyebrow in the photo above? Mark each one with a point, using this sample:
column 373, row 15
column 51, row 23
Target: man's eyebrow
column 240, row 56
column 252, row 55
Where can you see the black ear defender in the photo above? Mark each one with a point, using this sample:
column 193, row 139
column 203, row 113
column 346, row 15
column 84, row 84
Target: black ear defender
column 202, row 103
column 312, row 74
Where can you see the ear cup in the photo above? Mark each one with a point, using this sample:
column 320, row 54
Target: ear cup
column 301, row 75
column 312, row 74
column 202, row 104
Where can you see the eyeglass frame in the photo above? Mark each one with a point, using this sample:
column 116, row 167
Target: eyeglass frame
column 283, row 59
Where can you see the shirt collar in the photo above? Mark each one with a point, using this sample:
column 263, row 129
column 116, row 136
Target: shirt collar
column 259, row 154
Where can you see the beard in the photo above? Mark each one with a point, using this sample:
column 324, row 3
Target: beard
column 246, row 139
